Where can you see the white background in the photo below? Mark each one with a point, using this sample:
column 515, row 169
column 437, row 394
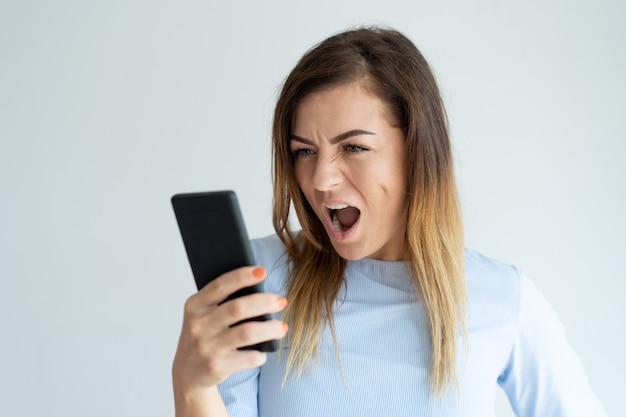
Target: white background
column 109, row 108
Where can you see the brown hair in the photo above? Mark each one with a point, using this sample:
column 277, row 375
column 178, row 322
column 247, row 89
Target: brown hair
column 389, row 66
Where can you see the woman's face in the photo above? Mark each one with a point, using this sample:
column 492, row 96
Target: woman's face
column 351, row 166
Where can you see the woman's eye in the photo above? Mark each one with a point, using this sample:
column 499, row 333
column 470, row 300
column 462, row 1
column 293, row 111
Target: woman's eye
column 354, row 148
column 300, row 153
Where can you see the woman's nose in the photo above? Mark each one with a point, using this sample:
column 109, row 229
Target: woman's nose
column 327, row 174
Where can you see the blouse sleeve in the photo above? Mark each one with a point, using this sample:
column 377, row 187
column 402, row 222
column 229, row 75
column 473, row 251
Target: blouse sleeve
column 239, row 392
column 544, row 376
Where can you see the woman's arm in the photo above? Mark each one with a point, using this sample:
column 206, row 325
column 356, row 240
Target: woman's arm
column 205, row 403
column 544, row 376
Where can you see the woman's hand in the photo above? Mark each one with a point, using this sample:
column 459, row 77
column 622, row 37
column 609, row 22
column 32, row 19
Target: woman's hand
column 207, row 349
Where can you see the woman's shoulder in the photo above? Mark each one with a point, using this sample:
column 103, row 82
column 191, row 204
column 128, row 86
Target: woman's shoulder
column 270, row 252
column 270, row 245
column 493, row 283
column 481, row 269
column 477, row 261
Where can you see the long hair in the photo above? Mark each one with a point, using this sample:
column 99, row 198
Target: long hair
column 389, row 66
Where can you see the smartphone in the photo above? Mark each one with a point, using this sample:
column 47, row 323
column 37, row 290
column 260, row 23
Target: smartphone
column 216, row 242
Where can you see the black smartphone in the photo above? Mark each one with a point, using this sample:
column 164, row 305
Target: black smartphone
column 216, row 241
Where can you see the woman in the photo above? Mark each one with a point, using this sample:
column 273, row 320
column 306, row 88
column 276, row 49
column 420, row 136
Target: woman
column 387, row 314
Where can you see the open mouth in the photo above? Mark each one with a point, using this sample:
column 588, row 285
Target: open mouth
column 343, row 216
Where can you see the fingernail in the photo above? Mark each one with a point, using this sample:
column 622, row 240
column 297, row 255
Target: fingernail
column 282, row 301
column 285, row 327
column 258, row 272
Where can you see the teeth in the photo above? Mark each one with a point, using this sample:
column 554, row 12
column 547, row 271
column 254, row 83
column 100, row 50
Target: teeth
column 333, row 212
column 337, row 206
column 336, row 223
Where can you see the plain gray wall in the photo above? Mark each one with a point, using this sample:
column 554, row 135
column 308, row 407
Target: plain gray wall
column 109, row 108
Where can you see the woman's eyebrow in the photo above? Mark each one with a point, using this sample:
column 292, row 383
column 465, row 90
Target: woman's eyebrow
column 336, row 139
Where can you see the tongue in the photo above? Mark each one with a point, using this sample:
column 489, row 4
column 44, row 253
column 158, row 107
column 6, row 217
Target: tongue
column 348, row 216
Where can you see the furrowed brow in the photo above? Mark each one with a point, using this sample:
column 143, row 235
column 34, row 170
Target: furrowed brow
column 349, row 134
column 299, row 139
column 337, row 139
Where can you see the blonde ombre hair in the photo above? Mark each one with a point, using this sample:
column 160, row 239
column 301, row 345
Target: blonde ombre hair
column 389, row 66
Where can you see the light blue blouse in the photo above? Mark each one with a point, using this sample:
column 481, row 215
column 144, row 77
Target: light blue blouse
column 514, row 340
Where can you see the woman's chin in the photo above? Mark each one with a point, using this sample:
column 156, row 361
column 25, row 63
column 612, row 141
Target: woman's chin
column 349, row 252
